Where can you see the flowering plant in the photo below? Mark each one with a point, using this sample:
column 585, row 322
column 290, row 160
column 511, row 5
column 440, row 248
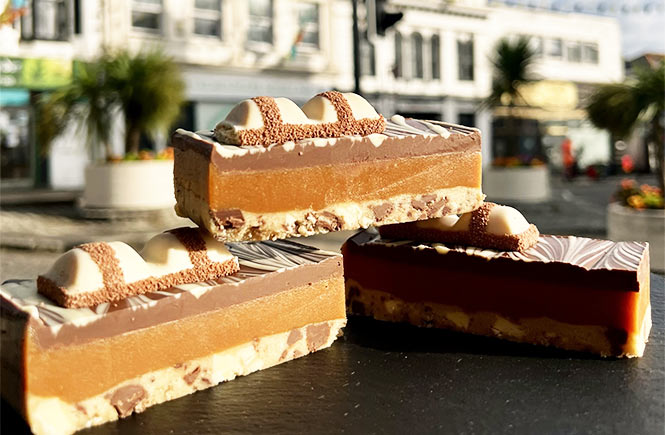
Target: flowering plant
column 165, row 154
column 517, row 161
column 639, row 197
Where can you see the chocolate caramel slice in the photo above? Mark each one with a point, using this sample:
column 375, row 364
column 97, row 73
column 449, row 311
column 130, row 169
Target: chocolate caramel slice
column 569, row 292
column 69, row 368
column 413, row 170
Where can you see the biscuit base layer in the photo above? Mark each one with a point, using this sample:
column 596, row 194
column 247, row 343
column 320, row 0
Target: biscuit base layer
column 52, row 415
column 336, row 217
column 542, row 331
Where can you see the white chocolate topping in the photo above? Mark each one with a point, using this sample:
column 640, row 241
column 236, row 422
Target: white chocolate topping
column 245, row 115
column 504, row 220
column 165, row 254
column 133, row 266
column 463, row 223
column 320, row 109
column 290, row 112
column 444, row 223
column 76, row 271
column 91, row 267
column 216, row 250
column 360, row 107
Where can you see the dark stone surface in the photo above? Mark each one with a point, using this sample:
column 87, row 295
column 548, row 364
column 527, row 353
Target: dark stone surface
column 388, row 378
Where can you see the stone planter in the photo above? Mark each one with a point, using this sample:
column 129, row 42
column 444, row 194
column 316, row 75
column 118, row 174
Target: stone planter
column 519, row 184
column 135, row 185
column 625, row 223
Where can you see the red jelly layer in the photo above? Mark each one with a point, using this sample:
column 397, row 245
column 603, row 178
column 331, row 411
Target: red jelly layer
column 513, row 289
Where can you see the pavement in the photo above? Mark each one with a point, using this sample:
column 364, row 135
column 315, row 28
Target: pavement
column 37, row 226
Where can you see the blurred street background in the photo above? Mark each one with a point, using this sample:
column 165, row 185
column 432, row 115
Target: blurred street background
column 568, row 96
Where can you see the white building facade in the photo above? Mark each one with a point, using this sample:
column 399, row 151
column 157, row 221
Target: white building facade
column 433, row 64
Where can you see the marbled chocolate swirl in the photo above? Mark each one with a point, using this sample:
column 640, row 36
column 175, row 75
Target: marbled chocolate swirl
column 589, row 254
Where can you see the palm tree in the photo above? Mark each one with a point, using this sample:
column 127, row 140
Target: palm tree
column 512, row 63
column 149, row 90
column 146, row 88
column 620, row 107
column 86, row 102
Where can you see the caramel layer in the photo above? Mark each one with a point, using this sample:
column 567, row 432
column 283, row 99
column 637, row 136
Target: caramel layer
column 76, row 372
column 319, row 186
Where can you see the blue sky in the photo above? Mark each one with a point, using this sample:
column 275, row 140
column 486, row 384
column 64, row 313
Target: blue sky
column 642, row 33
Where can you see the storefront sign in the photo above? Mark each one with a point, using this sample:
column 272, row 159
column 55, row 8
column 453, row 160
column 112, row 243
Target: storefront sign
column 34, row 73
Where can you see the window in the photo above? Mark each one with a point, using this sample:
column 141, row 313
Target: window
column 260, row 21
column 147, row 15
column 555, row 48
column 46, row 20
column 308, row 22
column 574, row 52
column 78, row 18
column 467, row 119
column 536, row 44
column 208, row 17
column 417, row 59
column 465, row 58
column 590, row 53
column 367, row 58
column 436, row 57
column 397, row 68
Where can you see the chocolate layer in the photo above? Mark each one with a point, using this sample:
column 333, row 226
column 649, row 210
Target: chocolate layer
column 412, row 138
column 265, row 268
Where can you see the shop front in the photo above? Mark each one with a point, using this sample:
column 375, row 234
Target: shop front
column 22, row 81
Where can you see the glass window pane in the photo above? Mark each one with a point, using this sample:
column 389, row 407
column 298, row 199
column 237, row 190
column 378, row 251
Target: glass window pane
column 465, row 59
column 260, row 33
column 397, row 69
column 367, row 61
column 311, row 37
column 213, row 5
column 262, row 8
column 436, row 57
column 204, row 26
column 555, row 48
column 308, row 13
column 574, row 52
column 418, row 56
column 46, row 20
column 590, row 53
column 145, row 20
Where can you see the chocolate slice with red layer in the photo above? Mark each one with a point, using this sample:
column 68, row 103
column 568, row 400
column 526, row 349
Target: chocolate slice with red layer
column 565, row 291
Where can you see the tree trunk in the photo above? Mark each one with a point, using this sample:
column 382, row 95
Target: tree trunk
column 132, row 139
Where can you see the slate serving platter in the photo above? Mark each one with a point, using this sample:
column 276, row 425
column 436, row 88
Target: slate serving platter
column 389, row 378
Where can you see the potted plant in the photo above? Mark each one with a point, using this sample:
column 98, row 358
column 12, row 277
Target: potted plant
column 146, row 91
column 636, row 213
column 513, row 177
column 522, row 179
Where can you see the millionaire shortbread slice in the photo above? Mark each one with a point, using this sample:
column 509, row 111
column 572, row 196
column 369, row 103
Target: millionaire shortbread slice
column 69, row 368
column 412, row 170
column 565, row 291
column 94, row 273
